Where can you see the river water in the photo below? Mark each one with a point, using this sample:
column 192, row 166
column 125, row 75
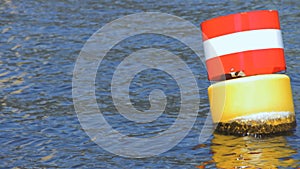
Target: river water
column 39, row 128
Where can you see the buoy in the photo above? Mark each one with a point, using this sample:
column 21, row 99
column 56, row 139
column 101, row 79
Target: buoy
column 243, row 51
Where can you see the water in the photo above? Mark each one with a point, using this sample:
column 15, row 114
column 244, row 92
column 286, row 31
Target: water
column 40, row 42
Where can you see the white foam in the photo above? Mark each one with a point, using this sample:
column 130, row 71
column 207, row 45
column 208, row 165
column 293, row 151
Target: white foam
column 265, row 116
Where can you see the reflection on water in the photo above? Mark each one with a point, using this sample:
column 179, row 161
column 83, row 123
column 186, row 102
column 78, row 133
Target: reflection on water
column 249, row 152
column 12, row 81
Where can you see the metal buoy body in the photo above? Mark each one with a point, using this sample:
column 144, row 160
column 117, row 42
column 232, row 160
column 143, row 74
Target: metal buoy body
column 255, row 105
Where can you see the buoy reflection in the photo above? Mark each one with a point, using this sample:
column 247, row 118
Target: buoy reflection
column 250, row 152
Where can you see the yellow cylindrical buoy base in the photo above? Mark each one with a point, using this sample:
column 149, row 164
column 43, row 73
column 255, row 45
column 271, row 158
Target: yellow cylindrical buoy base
column 255, row 105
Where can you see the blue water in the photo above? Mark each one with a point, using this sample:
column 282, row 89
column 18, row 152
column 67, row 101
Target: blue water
column 40, row 42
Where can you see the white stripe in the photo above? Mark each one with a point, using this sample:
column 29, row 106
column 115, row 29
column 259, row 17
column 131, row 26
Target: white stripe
column 242, row 41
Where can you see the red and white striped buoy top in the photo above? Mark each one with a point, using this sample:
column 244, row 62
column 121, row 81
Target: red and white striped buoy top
column 248, row 42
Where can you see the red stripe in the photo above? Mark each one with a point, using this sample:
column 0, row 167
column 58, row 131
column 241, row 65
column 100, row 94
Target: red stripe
column 265, row 61
column 263, row 19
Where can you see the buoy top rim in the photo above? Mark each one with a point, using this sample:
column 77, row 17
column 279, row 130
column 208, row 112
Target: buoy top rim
column 239, row 13
column 243, row 21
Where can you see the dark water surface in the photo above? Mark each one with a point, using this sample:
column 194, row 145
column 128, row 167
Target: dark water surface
column 40, row 41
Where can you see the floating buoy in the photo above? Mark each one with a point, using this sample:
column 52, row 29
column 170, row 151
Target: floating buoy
column 243, row 51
